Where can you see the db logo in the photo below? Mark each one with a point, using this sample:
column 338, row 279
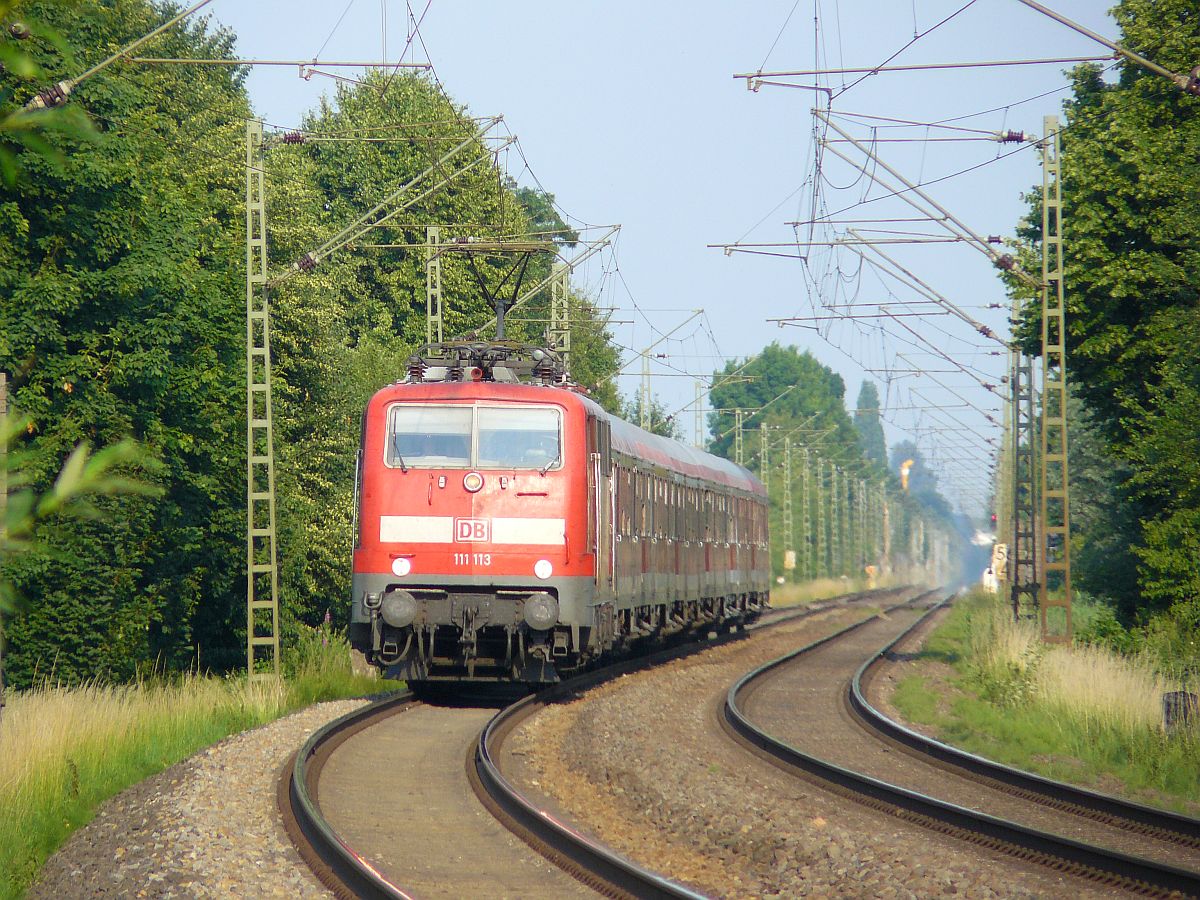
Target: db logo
column 472, row 530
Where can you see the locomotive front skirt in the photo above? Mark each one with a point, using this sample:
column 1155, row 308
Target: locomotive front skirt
column 510, row 532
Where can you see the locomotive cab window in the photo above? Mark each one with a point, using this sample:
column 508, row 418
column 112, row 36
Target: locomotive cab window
column 519, row 438
column 429, row 436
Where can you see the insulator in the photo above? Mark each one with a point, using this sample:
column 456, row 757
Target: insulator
column 294, row 137
column 416, row 368
column 52, row 96
column 1006, row 262
column 1192, row 84
column 1012, row 137
column 306, row 263
column 995, row 239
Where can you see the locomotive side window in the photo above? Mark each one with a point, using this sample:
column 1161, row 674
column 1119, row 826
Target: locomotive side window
column 429, row 436
column 519, row 438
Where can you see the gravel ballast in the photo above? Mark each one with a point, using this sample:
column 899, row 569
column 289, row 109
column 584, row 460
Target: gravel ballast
column 642, row 763
column 206, row 827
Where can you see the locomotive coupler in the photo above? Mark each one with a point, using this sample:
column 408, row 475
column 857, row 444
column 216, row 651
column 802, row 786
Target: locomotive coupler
column 371, row 603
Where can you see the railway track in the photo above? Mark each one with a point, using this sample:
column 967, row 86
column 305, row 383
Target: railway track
column 792, row 711
column 332, row 793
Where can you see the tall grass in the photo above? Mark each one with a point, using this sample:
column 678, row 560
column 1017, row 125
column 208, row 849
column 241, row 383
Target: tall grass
column 795, row 594
column 1084, row 712
column 64, row 750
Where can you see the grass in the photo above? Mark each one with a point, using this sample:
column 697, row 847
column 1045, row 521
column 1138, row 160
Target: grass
column 799, row 593
column 1081, row 713
column 64, row 750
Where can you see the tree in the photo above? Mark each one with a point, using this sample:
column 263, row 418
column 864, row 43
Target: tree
column 347, row 328
column 660, row 423
column 922, row 482
column 122, row 273
column 121, row 317
column 1130, row 169
column 801, row 393
column 869, row 425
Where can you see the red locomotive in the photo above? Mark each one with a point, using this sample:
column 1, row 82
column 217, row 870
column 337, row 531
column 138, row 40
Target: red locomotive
column 509, row 529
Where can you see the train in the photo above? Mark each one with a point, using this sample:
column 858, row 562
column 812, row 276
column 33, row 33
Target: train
column 509, row 529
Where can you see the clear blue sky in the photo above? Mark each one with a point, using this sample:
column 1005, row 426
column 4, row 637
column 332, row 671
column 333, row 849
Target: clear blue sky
column 628, row 113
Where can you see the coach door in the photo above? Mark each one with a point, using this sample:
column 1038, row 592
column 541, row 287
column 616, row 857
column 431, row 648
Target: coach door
column 600, row 501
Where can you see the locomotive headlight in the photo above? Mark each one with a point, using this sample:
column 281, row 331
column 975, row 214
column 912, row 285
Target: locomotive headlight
column 401, row 566
column 399, row 608
column 543, row 568
column 541, row 611
column 472, row 481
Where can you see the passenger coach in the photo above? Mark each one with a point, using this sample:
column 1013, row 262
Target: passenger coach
column 508, row 531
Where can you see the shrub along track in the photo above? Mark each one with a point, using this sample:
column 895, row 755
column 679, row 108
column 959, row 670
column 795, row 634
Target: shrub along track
column 377, row 801
column 1070, row 830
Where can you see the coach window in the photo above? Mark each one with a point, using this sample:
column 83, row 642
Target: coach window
column 429, row 436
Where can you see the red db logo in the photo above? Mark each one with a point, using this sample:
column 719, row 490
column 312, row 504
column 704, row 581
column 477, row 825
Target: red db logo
column 472, row 530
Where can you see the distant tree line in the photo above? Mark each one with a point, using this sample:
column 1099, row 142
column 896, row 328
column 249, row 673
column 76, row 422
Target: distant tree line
column 786, row 394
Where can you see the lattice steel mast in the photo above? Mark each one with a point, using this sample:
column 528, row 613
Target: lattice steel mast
column 1054, row 542
column 262, row 569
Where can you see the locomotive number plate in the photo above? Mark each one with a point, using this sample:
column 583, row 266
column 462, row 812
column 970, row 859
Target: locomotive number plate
column 472, row 559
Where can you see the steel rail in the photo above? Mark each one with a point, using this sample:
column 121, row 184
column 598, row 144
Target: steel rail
column 1162, row 823
column 349, row 875
column 1050, row 849
column 334, row 862
column 559, row 841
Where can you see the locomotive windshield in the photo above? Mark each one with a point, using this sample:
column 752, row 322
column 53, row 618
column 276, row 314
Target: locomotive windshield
column 486, row 437
column 430, row 436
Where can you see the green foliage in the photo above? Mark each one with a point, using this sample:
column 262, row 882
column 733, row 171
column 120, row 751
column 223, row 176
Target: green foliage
column 996, row 706
column 119, row 268
column 1131, row 171
column 869, row 425
column 814, row 400
column 84, row 474
column 346, row 329
column 32, row 132
column 660, row 423
column 122, row 272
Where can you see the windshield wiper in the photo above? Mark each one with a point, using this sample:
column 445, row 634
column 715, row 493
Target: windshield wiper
column 544, row 469
column 400, row 459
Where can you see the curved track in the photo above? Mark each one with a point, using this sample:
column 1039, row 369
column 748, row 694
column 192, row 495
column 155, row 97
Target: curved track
column 379, row 802
column 793, row 709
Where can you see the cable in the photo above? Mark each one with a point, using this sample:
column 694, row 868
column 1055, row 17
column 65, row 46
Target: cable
column 336, row 25
column 915, row 38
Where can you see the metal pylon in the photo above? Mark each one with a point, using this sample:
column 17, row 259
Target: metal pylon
column 433, row 285
column 262, row 571
column 861, row 505
column 789, row 537
column 560, row 315
column 821, row 567
column 1054, row 542
column 805, row 518
column 644, row 397
column 737, row 437
column 1022, row 551
column 835, row 523
column 764, row 442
